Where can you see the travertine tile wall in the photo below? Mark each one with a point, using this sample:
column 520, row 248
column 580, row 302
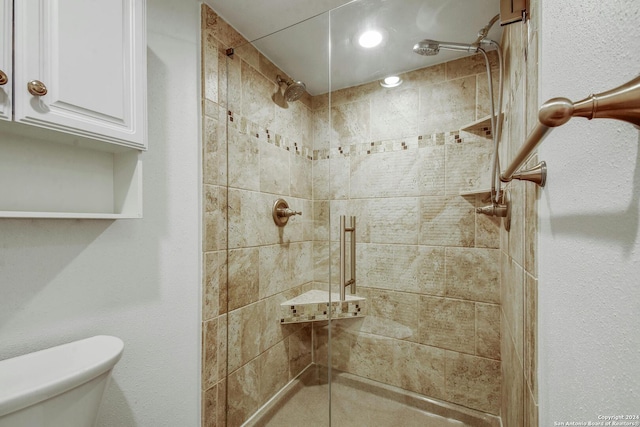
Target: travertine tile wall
column 428, row 265
column 268, row 157
column 518, row 247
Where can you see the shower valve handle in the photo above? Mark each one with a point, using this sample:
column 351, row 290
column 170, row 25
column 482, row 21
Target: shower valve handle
column 286, row 212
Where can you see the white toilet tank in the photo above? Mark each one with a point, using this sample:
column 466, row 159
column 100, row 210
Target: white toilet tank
column 58, row 387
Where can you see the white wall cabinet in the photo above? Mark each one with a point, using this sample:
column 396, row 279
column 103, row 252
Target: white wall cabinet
column 6, row 55
column 79, row 70
column 90, row 55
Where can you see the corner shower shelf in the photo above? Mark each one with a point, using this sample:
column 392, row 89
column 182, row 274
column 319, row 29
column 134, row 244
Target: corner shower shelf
column 485, row 192
column 312, row 306
column 482, row 126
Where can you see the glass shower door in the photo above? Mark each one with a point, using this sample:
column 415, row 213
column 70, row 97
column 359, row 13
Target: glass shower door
column 277, row 286
column 422, row 340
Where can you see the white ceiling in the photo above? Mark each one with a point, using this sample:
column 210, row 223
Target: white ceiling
column 313, row 40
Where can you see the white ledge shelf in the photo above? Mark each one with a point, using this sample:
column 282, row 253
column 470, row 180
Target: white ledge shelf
column 313, row 306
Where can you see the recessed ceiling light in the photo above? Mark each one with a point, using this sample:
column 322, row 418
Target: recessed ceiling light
column 369, row 39
column 391, row 81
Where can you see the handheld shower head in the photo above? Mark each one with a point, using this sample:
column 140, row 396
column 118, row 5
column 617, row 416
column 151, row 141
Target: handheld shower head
column 432, row 47
column 295, row 89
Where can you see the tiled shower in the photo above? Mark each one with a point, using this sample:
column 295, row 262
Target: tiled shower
column 450, row 294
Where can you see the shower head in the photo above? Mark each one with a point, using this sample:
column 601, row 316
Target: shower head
column 294, row 91
column 432, row 47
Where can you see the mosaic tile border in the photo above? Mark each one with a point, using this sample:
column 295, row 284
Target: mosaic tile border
column 247, row 127
column 314, row 312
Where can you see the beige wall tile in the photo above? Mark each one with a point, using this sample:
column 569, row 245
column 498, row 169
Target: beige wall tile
column 275, row 170
column 215, row 221
column 531, row 335
column 209, row 354
column 391, row 266
column 447, row 106
column 301, row 184
column 223, row 328
column 394, row 220
column 468, row 65
column 351, row 124
column 244, row 393
column 487, row 227
column 275, row 270
column 214, row 279
column 488, row 330
column 215, row 150
column 244, row 334
column 424, row 76
column 420, row 368
column 248, row 53
column 300, row 350
column 516, row 234
column 394, row 114
column 473, row 274
column 231, row 82
column 300, row 263
column 512, row 299
column 273, row 370
column 256, row 97
column 210, row 66
column 446, row 221
column 512, row 406
column 244, row 273
column 483, row 99
column 371, row 356
column 468, row 166
column 210, row 407
column 531, row 226
column 270, row 330
column 399, row 309
column 530, row 410
column 244, row 160
column 473, row 381
column 447, row 323
column 410, row 172
column 431, row 270
column 222, row 408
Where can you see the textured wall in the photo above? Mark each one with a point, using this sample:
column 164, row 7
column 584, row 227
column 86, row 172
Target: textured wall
column 518, row 247
column 589, row 240
column 62, row 280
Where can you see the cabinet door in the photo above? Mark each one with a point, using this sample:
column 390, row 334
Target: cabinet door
column 91, row 57
column 6, row 67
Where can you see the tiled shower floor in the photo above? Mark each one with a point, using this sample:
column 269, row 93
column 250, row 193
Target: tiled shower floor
column 357, row 402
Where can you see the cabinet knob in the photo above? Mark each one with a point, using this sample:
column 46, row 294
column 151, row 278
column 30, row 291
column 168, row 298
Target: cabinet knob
column 36, row 88
column 3, row 78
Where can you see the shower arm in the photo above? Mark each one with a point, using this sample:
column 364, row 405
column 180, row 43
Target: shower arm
column 482, row 34
column 620, row 103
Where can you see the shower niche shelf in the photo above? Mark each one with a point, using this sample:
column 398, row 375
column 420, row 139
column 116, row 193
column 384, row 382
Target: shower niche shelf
column 313, row 306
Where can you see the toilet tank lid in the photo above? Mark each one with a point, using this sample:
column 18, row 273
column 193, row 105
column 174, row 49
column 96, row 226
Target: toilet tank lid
column 31, row 378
